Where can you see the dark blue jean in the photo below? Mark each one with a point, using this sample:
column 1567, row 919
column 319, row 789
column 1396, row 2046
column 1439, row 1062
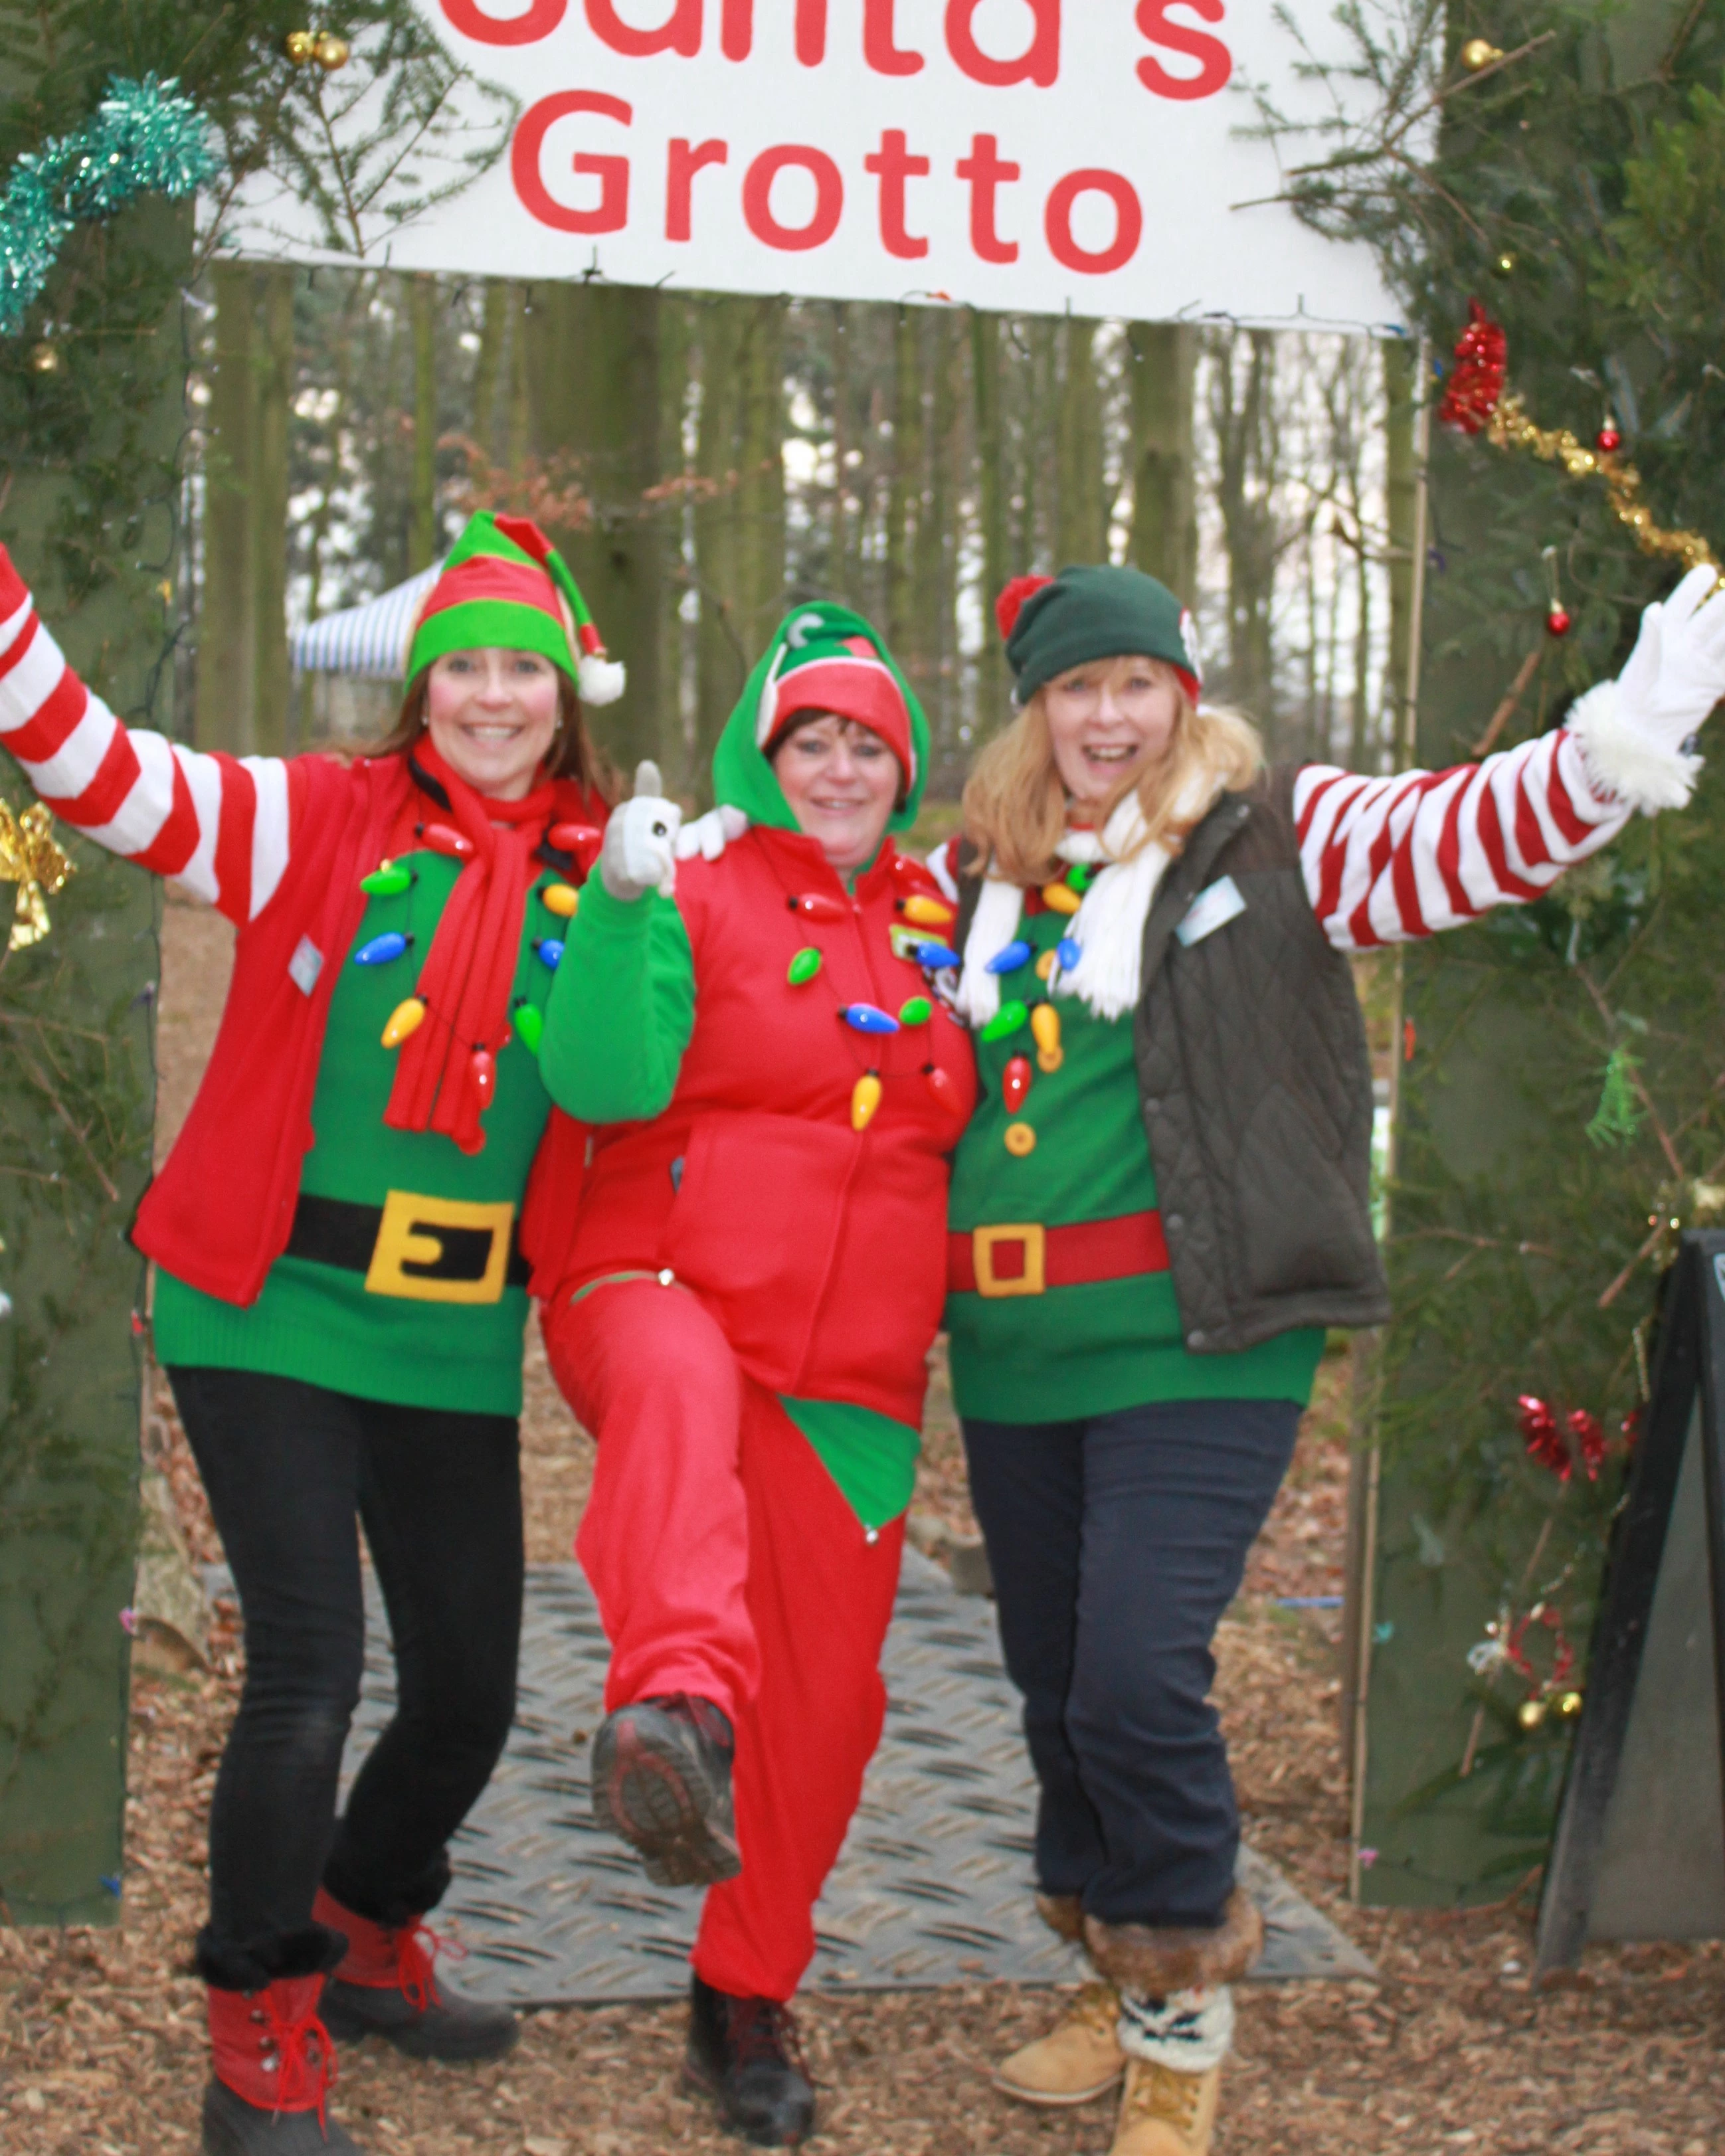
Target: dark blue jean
column 1117, row 1542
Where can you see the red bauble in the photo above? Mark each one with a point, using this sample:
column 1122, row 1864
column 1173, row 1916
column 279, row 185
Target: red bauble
column 1558, row 622
column 1607, row 439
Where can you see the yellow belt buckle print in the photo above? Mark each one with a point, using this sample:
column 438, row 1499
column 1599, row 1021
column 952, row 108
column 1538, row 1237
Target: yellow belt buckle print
column 1031, row 1238
column 418, row 1234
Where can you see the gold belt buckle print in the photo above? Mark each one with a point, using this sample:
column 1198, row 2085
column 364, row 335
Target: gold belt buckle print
column 428, row 1250
column 1032, row 1238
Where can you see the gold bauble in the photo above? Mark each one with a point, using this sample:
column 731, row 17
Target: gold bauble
column 300, row 47
column 44, row 358
column 1503, row 265
column 1478, row 53
column 1570, row 1706
column 331, row 51
column 1531, row 1713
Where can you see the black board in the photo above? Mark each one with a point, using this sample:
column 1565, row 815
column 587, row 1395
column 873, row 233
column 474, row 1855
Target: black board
column 1640, row 1849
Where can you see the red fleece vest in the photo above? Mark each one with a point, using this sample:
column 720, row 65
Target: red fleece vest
column 221, row 1211
column 820, row 1248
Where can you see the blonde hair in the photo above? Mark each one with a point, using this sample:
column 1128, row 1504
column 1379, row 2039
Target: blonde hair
column 1016, row 803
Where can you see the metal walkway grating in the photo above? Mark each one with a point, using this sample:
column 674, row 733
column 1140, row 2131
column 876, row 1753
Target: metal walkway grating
column 933, row 1886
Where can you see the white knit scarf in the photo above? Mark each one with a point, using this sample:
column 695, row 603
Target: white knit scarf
column 1108, row 927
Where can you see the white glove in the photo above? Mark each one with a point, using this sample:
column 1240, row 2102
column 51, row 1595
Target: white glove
column 710, row 834
column 639, row 852
column 1632, row 732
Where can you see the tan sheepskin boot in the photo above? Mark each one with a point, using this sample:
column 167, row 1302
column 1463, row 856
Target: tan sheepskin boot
column 1078, row 2060
column 1164, row 2113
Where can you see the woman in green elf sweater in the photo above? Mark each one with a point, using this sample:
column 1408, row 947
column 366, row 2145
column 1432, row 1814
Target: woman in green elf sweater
column 1162, row 1203
column 341, row 1283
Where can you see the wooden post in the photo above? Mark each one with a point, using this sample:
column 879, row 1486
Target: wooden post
column 267, row 507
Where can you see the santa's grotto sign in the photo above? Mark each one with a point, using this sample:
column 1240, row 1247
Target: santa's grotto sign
column 1027, row 156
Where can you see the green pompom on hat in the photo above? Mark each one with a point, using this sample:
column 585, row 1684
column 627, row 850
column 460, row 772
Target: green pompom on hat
column 1053, row 624
column 505, row 586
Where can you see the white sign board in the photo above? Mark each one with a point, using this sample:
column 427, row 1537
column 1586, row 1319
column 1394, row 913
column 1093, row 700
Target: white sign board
column 1028, row 155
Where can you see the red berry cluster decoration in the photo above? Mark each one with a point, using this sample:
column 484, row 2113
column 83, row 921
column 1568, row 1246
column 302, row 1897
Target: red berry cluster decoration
column 1546, row 1443
column 1476, row 379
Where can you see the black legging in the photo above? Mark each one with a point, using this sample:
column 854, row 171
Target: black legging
column 289, row 1467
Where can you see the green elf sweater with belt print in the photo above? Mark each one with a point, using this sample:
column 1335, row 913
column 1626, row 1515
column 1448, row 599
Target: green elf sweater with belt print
column 321, row 1323
column 1105, row 1345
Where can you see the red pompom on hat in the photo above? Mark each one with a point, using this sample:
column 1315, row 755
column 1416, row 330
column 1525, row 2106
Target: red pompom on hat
column 1011, row 601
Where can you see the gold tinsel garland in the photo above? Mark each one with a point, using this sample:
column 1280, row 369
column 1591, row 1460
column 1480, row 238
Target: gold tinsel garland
column 1509, row 428
column 31, row 858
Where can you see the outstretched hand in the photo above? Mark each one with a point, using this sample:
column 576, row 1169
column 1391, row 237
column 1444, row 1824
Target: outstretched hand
column 1675, row 675
column 639, row 854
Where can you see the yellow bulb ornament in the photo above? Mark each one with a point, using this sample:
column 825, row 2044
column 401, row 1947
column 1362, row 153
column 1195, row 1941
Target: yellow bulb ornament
column 929, row 912
column 561, row 899
column 1046, row 1025
column 405, row 1018
column 865, row 1101
column 1060, row 898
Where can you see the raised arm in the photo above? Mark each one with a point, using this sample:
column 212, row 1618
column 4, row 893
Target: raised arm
column 219, row 825
column 1387, row 859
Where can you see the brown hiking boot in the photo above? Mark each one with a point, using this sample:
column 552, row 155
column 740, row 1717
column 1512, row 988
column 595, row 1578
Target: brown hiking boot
column 1077, row 2061
column 1164, row 2113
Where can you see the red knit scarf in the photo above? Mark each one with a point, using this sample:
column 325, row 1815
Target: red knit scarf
column 441, row 1074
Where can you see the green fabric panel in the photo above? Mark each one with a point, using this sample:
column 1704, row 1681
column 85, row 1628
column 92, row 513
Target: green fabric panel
column 1111, row 1344
column 872, row 1459
column 743, row 778
column 622, row 1009
column 318, row 1322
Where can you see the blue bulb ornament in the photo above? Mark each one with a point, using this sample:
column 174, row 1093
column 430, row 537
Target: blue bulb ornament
column 383, row 950
column 549, row 951
column 1016, row 954
column 864, row 1017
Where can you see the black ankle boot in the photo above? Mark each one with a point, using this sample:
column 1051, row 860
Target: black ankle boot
column 386, row 1985
column 744, row 2051
column 232, row 2126
column 661, row 1779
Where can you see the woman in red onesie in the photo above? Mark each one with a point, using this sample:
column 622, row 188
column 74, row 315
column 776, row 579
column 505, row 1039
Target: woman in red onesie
column 756, row 1278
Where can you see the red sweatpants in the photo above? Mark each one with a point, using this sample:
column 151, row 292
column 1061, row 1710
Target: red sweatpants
column 726, row 1563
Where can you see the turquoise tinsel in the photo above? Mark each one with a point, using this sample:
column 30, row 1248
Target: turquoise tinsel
column 144, row 140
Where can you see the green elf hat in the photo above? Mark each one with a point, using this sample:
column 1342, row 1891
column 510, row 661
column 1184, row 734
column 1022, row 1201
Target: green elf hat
column 1052, row 623
column 822, row 658
column 505, row 585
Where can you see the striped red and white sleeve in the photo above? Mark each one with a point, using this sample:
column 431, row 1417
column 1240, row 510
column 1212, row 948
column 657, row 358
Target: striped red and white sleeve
column 218, row 825
column 1387, row 859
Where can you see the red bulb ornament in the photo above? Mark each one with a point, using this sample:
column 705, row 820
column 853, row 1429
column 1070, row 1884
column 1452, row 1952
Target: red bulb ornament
column 485, row 1075
column 817, row 906
column 940, row 1083
column 581, row 840
column 1015, row 1083
column 444, row 838
column 1557, row 621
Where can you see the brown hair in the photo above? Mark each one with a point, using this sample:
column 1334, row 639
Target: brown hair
column 1016, row 804
column 572, row 754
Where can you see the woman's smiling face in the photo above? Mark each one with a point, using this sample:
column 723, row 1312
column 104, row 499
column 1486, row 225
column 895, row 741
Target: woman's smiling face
column 492, row 715
column 1108, row 723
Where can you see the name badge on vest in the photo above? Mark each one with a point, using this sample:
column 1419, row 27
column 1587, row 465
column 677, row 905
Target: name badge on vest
column 1214, row 907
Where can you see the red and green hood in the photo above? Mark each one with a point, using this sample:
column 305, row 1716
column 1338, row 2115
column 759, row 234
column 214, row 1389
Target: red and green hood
column 822, row 658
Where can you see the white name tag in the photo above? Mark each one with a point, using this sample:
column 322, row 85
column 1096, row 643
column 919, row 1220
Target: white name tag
column 306, row 964
column 1213, row 908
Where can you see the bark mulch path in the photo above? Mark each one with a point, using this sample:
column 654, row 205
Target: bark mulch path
column 101, row 2051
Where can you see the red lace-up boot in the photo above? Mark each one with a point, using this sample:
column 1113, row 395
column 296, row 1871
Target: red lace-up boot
column 274, row 2064
column 387, row 1986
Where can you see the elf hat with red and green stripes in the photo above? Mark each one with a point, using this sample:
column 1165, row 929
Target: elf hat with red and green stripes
column 505, row 586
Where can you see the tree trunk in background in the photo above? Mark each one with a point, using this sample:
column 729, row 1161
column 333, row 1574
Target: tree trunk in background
column 422, row 531
column 488, row 365
column 940, row 554
column 721, row 662
column 1163, row 359
column 904, row 501
column 227, row 625
column 761, row 592
column 1082, row 526
column 1036, row 435
column 269, row 510
column 676, row 340
column 992, row 491
column 592, row 382
column 1242, row 419
column 518, row 403
column 242, row 678
column 841, row 545
column 928, row 637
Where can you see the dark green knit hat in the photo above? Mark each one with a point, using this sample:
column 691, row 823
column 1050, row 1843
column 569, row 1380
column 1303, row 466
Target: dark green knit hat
column 1051, row 624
